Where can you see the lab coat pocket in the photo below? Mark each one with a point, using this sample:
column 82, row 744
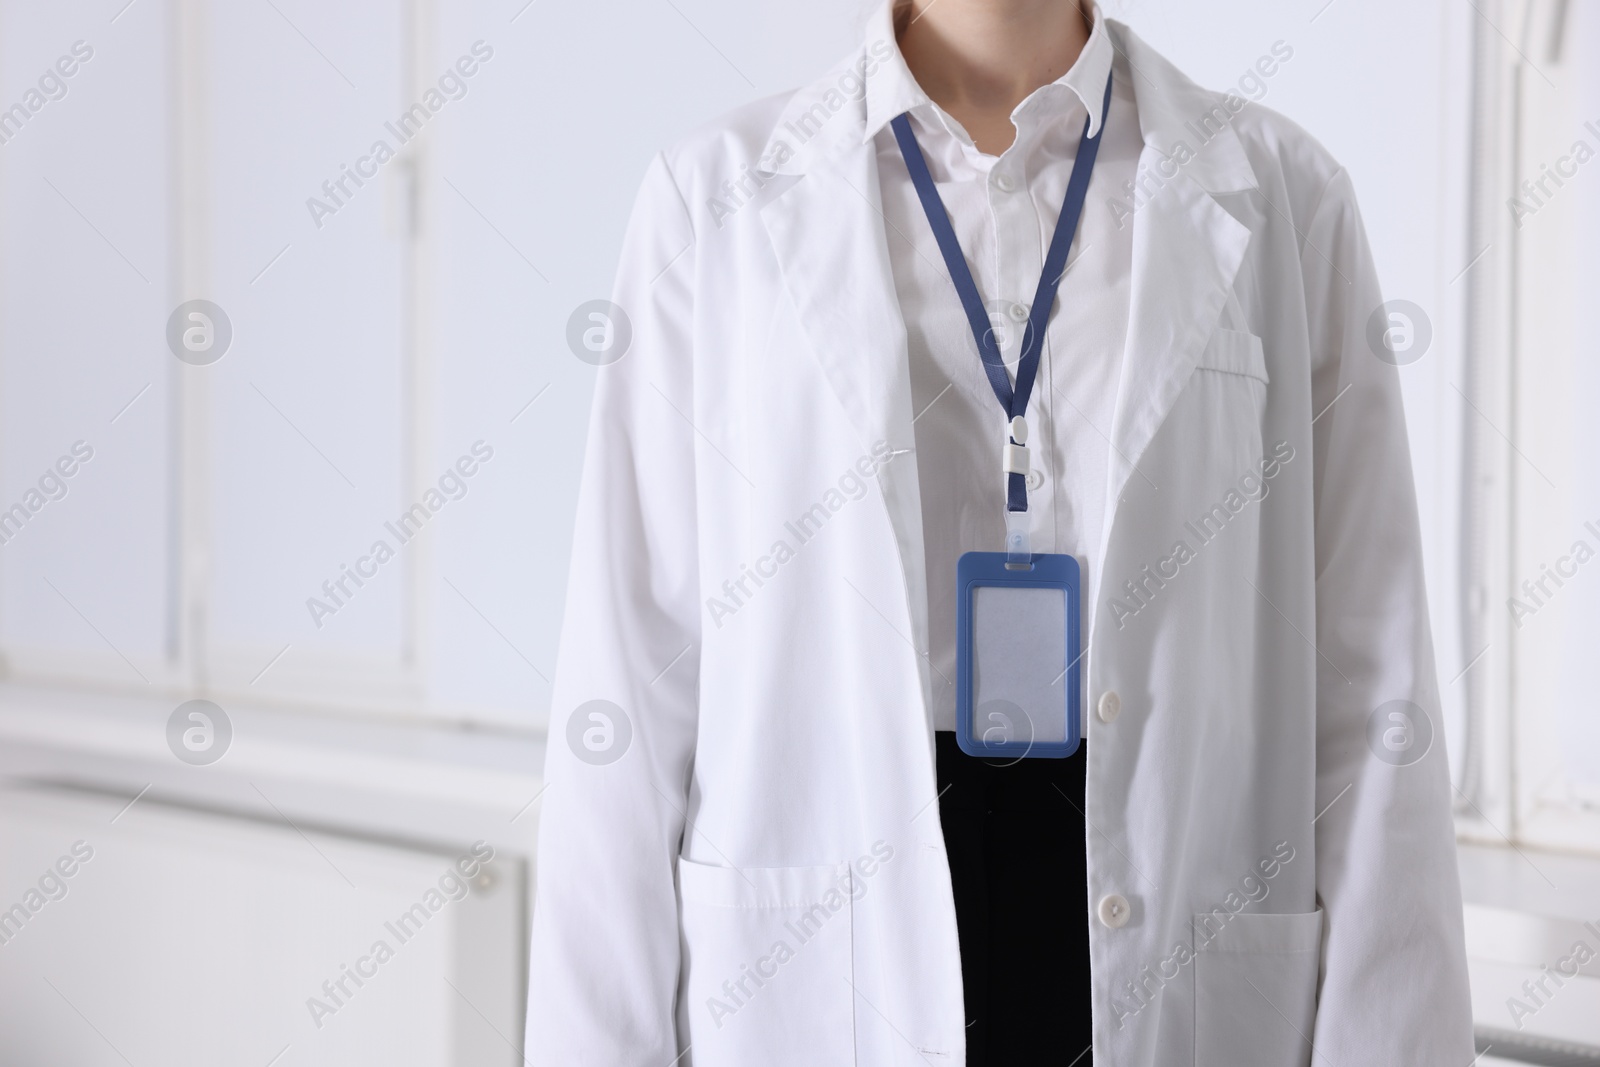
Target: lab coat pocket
column 1235, row 352
column 767, row 964
column 1227, row 395
column 1256, row 989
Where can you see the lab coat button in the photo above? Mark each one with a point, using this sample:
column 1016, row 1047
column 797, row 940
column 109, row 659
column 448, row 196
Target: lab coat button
column 1109, row 707
column 1018, row 312
column 1114, row 911
column 1035, row 479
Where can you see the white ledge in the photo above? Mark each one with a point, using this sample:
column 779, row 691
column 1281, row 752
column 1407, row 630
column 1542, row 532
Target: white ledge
column 411, row 782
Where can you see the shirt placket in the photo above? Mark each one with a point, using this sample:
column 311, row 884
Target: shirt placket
column 1018, row 258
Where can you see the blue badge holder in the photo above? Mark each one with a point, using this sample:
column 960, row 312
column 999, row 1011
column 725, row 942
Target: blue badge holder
column 1018, row 680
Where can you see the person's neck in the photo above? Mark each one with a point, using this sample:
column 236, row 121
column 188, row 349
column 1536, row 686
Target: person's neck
column 979, row 59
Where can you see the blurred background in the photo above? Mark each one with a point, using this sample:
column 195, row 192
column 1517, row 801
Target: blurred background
column 290, row 434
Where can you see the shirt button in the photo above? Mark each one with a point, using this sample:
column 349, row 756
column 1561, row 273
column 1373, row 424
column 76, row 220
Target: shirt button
column 1114, row 911
column 1110, row 706
column 1035, row 479
column 1018, row 312
column 1005, row 183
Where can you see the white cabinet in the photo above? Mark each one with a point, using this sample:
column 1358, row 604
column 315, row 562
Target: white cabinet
column 182, row 937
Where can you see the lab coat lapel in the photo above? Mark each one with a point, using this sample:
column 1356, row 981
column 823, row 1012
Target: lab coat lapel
column 1187, row 248
column 827, row 232
column 1186, row 251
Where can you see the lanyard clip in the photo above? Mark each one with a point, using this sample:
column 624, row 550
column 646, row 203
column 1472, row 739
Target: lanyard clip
column 1015, row 465
column 1014, row 453
column 1014, row 459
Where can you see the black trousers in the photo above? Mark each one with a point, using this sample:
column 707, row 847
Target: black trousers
column 1015, row 835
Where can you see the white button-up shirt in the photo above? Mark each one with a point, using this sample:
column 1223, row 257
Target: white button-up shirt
column 1004, row 209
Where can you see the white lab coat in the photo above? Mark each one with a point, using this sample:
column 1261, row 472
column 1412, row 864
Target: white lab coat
column 760, row 879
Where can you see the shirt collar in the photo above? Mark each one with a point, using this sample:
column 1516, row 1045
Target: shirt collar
column 892, row 89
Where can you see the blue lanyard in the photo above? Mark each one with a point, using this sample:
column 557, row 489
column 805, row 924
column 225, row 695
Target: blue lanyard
column 1015, row 402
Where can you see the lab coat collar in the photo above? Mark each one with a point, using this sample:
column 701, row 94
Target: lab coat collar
column 1181, row 121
